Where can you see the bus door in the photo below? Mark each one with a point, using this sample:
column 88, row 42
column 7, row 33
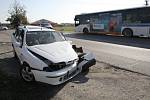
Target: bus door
column 95, row 25
column 115, row 22
column 104, row 19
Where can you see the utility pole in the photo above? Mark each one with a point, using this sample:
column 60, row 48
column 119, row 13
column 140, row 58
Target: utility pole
column 146, row 2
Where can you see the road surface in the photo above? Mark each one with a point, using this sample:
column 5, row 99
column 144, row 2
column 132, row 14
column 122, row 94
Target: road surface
column 129, row 53
column 102, row 82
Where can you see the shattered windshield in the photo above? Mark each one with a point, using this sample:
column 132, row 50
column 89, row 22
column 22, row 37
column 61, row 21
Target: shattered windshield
column 43, row 37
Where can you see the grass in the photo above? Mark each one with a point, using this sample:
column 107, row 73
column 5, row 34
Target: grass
column 65, row 28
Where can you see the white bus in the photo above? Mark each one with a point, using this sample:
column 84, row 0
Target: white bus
column 126, row 22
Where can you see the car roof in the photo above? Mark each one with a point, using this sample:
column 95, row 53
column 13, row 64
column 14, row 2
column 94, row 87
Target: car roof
column 35, row 28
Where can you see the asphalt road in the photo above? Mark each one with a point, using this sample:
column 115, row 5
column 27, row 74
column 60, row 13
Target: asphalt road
column 128, row 53
column 102, row 82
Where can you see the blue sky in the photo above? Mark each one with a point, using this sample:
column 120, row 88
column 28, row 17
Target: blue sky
column 61, row 11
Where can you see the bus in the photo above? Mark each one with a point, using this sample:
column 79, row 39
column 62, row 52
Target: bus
column 126, row 22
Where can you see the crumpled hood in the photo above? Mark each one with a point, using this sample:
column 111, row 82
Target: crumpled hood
column 56, row 52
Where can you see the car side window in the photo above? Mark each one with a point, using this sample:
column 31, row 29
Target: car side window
column 19, row 35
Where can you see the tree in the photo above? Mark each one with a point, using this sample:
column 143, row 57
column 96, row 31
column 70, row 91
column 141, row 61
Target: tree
column 17, row 15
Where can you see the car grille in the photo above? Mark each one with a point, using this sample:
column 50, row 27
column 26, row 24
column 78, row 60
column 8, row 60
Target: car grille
column 61, row 65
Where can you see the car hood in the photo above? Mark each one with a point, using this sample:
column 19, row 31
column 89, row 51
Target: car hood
column 56, row 52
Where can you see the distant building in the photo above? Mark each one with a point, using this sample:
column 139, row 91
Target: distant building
column 5, row 25
column 44, row 22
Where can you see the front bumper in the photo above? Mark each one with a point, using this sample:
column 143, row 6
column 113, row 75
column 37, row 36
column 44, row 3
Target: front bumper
column 61, row 76
column 87, row 60
column 88, row 64
column 57, row 77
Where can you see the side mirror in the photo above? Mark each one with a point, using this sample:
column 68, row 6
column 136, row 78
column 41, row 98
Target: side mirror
column 19, row 44
column 13, row 33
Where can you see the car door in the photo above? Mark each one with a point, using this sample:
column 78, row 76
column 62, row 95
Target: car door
column 18, row 43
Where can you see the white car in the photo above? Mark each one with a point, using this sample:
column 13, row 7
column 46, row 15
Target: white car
column 4, row 28
column 46, row 56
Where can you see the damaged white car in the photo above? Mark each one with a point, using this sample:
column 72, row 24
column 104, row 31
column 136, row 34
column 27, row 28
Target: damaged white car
column 46, row 56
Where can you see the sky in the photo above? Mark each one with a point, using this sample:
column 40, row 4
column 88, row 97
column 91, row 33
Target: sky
column 64, row 11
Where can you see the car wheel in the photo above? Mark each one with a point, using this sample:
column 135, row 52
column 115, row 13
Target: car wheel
column 85, row 30
column 26, row 74
column 127, row 32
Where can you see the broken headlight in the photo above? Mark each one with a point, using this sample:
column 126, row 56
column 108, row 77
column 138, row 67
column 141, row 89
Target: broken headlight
column 57, row 66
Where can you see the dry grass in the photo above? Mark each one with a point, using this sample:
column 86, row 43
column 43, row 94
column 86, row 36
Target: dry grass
column 65, row 28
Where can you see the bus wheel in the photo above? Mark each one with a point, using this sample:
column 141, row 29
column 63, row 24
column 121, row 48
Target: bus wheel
column 127, row 32
column 85, row 30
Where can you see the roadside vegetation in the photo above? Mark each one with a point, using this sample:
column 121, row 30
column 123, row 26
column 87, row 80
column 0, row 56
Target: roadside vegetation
column 17, row 15
column 67, row 29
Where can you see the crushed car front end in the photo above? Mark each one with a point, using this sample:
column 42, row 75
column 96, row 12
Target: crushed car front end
column 52, row 59
column 63, row 74
column 59, row 75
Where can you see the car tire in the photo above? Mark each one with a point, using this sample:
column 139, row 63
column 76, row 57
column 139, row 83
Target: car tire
column 26, row 74
column 127, row 32
column 85, row 30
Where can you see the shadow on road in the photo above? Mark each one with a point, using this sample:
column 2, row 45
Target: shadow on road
column 12, row 87
column 128, row 41
column 81, row 78
column 9, row 65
